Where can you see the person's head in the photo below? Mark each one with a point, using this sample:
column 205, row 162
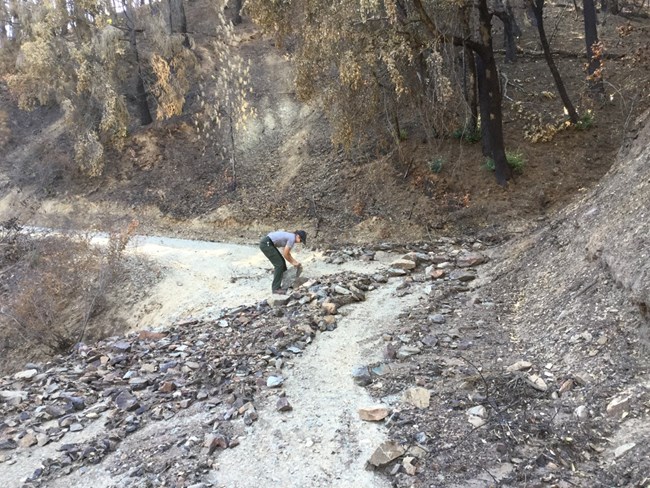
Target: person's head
column 301, row 236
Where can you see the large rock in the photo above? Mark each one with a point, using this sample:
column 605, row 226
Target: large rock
column 386, row 453
column 417, row 396
column 373, row 414
column 291, row 278
column 404, row 264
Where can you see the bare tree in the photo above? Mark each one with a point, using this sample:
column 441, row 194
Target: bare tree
column 237, row 17
column 511, row 30
column 594, row 49
column 537, row 7
column 489, row 89
column 141, row 92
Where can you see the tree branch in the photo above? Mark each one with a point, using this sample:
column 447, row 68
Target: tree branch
column 444, row 38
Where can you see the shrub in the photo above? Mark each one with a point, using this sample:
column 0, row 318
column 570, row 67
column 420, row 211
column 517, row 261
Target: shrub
column 52, row 286
column 515, row 160
column 468, row 135
column 435, row 165
column 586, row 121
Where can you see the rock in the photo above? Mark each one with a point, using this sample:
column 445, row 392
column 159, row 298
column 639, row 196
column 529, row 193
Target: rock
column 42, row 439
column 13, row 397
column 340, row 290
column 125, row 401
column 55, row 411
column 536, row 382
column 78, row 403
column 382, row 369
column 566, row 386
column 519, row 366
column 373, row 414
column 283, row 405
column 417, row 451
column 462, row 275
column 6, row 444
column 407, row 351
column 67, row 421
column 214, row 442
column 28, row 374
column 361, row 375
column 279, row 300
column 28, row 440
column 470, row 259
column 430, row 340
column 477, row 415
column 386, row 453
column 476, row 421
column 437, row 318
column 290, row 278
column 619, row 451
column 274, row 381
column 418, row 397
column 478, row 411
column 407, row 464
column 434, row 273
column 618, row 406
column 138, row 383
column 122, row 346
column 147, row 335
column 581, row 412
column 329, row 308
column 250, row 416
column 403, row 264
column 396, row 272
column 167, row 387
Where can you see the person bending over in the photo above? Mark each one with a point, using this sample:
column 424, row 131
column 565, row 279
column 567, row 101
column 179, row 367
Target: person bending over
column 284, row 240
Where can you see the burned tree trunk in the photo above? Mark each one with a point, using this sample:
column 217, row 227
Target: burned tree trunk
column 141, row 92
column 178, row 20
column 593, row 48
column 510, row 30
column 538, row 10
column 490, row 96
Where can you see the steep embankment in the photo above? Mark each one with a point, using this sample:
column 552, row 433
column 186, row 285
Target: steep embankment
column 576, row 294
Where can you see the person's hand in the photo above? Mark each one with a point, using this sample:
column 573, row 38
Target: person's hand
column 298, row 265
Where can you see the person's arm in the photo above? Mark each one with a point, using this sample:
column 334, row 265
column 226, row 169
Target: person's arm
column 286, row 252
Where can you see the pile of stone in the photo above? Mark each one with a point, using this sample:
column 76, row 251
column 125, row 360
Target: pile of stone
column 223, row 365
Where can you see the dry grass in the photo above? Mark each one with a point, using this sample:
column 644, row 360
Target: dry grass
column 52, row 286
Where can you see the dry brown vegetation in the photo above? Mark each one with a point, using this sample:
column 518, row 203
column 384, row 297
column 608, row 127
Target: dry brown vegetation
column 53, row 286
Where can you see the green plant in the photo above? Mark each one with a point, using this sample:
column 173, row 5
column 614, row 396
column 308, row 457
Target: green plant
column 468, row 135
column 403, row 135
column 586, row 121
column 515, row 161
column 435, row 165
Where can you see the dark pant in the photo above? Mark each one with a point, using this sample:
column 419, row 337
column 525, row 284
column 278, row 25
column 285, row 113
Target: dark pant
column 279, row 264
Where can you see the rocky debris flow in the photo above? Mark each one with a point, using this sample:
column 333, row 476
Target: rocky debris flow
column 461, row 386
column 454, row 384
column 223, row 367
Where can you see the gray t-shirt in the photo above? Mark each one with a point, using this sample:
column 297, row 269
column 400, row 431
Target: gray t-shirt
column 282, row 239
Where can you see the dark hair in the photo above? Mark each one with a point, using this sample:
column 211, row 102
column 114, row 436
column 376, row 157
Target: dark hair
column 303, row 236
